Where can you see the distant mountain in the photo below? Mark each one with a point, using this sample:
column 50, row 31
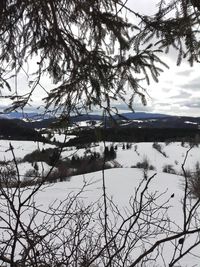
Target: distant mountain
column 140, row 116
column 131, row 119
column 86, row 117
column 24, row 116
column 83, row 117
column 121, row 116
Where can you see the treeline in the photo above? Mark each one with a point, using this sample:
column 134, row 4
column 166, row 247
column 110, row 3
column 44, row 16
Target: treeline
column 10, row 129
column 120, row 134
column 64, row 168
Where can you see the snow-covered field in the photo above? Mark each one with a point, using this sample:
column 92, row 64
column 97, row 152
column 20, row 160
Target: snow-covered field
column 120, row 186
column 120, row 182
column 126, row 158
column 175, row 154
column 21, row 148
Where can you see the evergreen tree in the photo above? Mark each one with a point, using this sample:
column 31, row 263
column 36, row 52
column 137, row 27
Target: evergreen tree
column 90, row 69
column 106, row 152
column 36, row 166
column 112, row 153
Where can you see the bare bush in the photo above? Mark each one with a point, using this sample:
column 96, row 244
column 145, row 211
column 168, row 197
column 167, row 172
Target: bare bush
column 60, row 174
column 144, row 164
column 194, row 182
column 32, row 173
column 159, row 148
column 168, row 168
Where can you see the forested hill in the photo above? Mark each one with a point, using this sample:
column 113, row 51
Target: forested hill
column 143, row 126
column 131, row 119
column 12, row 129
column 122, row 134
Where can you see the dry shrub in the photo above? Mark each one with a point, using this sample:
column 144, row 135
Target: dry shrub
column 168, row 168
column 194, row 182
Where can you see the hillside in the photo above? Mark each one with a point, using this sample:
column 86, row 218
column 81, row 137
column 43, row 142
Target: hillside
column 161, row 157
column 162, row 202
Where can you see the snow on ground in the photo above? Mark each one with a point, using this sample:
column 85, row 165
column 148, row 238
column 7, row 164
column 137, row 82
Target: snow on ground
column 120, row 182
column 121, row 185
column 175, row 154
column 25, row 167
column 89, row 123
column 60, row 137
column 21, row 148
column 174, row 151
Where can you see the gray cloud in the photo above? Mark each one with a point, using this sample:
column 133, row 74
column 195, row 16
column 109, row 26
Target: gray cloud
column 163, row 104
column 136, row 107
column 192, row 85
column 184, row 73
column 191, row 103
column 166, row 90
column 181, row 95
column 170, row 82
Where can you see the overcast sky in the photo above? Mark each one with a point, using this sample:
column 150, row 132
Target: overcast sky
column 178, row 90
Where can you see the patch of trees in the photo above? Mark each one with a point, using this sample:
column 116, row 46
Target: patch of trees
column 50, row 156
column 109, row 153
column 90, row 162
